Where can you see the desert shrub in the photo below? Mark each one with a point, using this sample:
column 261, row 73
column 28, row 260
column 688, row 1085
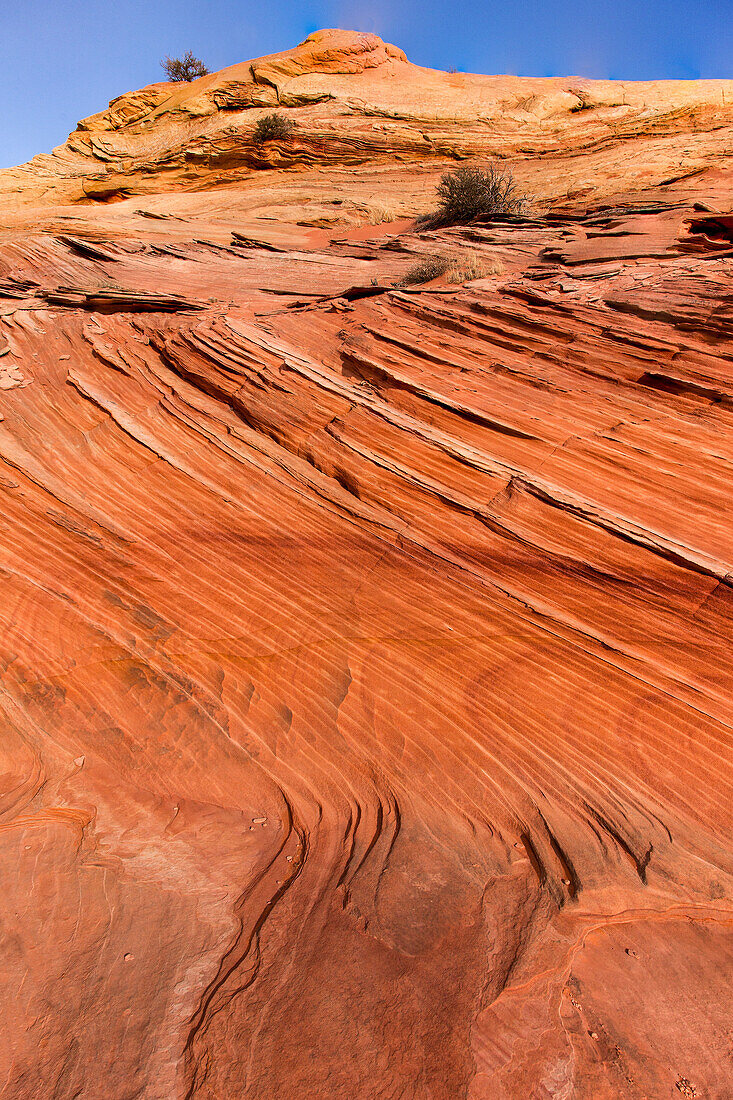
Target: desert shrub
column 458, row 267
column 470, row 193
column 377, row 213
column 272, row 127
column 184, row 69
column 429, row 267
column 468, row 266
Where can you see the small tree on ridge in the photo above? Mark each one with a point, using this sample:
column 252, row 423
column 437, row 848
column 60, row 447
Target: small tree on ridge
column 184, row 69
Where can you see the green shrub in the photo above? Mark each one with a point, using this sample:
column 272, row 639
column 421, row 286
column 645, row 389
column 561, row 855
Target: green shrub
column 184, row 69
column 470, row 193
column 272, row 127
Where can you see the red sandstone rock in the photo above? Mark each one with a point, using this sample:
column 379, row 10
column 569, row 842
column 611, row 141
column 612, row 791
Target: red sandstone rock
column 365, row 657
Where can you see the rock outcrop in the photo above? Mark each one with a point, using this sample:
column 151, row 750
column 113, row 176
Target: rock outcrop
column 357, row 102
column 365, row 722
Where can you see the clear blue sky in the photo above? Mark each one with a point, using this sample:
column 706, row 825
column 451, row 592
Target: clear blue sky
column 64, row 59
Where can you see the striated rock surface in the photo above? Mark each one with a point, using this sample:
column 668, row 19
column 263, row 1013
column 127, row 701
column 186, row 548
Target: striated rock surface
column 365, row 670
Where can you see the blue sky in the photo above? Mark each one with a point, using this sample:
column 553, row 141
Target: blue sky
column 64, row 59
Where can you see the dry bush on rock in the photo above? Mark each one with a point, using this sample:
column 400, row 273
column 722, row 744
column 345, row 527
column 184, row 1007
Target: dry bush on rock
column 184, row 69
column 426, row 269
column 470, row 193
column 377, row 214
column 469, row 266
column 459, row 267
column 272, row 127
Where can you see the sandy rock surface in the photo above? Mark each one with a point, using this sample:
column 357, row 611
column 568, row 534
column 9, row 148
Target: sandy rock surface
column 365, row 669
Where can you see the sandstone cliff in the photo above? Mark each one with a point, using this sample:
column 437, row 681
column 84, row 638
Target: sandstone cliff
column 365, row 722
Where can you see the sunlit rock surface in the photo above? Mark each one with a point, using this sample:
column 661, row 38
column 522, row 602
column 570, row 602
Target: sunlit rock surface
column 365, row 659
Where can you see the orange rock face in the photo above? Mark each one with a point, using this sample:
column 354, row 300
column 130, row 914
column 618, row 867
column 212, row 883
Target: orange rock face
column 365, row 722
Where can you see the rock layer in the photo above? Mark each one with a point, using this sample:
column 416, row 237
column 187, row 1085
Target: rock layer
column 366, row 680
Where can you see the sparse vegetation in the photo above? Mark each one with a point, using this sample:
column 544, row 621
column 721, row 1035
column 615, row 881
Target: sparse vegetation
column 458, row 267
column 272, row 127
column 426, row 269
column 378, row 214
column 468, row 266
column 184, row 69
column 470, row 193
